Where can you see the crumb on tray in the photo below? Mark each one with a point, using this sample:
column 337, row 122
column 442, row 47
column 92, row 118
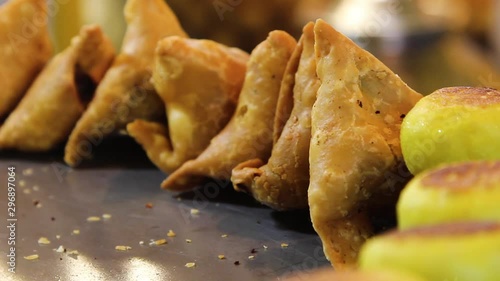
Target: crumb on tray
column 31, row 257
column 43, row 241
column 93, row 219
column 122, row 248
column 60, row 249
column 159, row 242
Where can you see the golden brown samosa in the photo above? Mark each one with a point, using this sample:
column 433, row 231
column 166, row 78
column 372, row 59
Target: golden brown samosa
column 249, row 134
column 25, row 48
column 58, row 97
column 355, row 145
column 126, row 93
column 199, row 81
column 283, row 181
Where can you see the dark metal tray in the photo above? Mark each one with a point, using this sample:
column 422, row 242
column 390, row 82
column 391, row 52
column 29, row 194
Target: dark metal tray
column 53, row 200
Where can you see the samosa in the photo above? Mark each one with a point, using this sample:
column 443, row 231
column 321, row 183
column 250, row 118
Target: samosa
column 355, row 149
column 249, row 134
column 126, row 93
column 26, row 47
column 59, row 95
column 199, row 81
column 283, row 181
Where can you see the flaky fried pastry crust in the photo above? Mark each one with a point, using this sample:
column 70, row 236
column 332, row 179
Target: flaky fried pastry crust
column 126, row 93
column 355, row 145
column 57, row 98
column 24, row 48
column 283, row 181
column 199, row 81
column 249, row 133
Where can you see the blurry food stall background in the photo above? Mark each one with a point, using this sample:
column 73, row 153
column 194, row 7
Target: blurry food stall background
column 429, row 43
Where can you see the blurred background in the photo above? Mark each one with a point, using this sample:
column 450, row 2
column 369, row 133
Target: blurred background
column 429, row 43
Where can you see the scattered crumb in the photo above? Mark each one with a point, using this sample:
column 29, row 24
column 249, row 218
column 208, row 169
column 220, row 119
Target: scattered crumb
column 264, row 246
column 224, row 236
column 93, row 219
column 253, row 251
column 159, row 242
column 76, row 231
column 189, row 240
column 149, row 205
column 141, row 242
column 251, row 257
column 36, row 202
column 123, row 248
column 27, row 191
column 73, row 252
column 60, row 249
column 190, row 264
column 36, row 188
column 58, row 236
column 52, row 218
column 284, row 245
column 195, row 211
column 28, row 172
column 31, row 257
column 106, row 216
column 171, row 233
column 221, row 257
column 237, row 263
column 39, row 205
column 43, row 241
column 22, row 183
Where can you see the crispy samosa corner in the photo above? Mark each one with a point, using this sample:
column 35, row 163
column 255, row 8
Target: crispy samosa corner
column 199, row 82
column 59, row 95
column 355, row 143
column 283, row 181
column 126, row 93
column 249, row 133
column 25, row 48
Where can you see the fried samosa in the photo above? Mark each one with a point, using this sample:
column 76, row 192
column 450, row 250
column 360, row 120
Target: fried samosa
column 355, row 145
column 282, row 183
column 59, row 95
column 199, row 81
column 126, row 93
column 249, row 134
column 26, row 47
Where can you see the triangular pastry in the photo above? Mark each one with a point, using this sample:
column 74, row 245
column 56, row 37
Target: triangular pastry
column 126, row 93
column 199, row 81
column 283, row 181
column 355, row 148
column 59, row 95
column 25, row 48
column 249, row 134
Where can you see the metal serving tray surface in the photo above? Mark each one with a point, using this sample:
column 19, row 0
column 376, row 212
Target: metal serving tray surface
column 52, row 201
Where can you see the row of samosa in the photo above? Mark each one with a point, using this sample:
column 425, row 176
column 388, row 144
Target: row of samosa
column 313, row 123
